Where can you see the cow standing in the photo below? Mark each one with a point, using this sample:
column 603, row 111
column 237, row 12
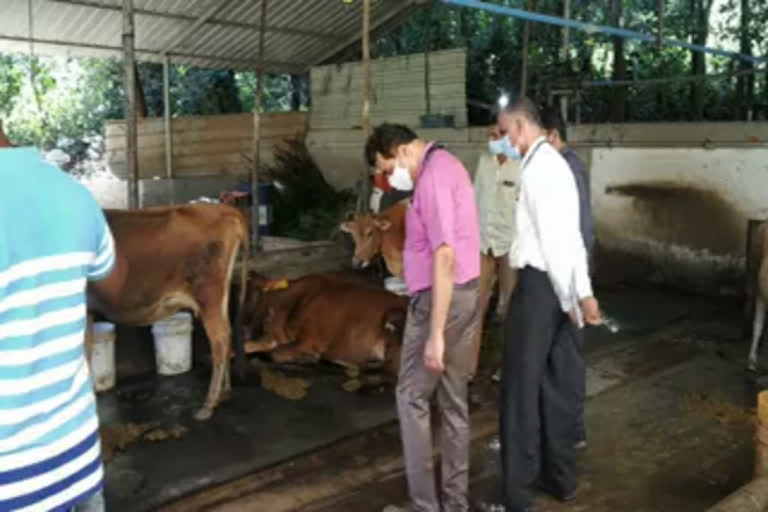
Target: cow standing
column 182, row 258
column 379, row 233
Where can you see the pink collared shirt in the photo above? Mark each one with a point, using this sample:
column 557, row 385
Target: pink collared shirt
column 442, row 212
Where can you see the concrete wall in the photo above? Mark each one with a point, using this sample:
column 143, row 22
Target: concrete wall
column 677, row 215
column 679, row 194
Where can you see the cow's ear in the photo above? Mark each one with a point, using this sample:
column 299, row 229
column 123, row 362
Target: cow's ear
column 346, row 227
column 383, row 224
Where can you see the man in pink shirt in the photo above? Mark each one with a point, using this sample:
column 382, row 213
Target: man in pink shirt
column 442, row 265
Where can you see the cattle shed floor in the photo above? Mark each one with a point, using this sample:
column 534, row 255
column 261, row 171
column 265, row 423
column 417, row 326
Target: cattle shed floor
column 669, row 425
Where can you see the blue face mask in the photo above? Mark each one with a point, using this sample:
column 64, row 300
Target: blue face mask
column 510, row 151
column 496, row 147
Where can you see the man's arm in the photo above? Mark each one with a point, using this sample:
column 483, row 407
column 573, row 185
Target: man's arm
column 443, row 268
column 554, row 212
column 107, row 289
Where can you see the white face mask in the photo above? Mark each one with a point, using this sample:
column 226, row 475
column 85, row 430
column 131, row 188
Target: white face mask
column 400, row 178
column 496, row 147
column 512, row 152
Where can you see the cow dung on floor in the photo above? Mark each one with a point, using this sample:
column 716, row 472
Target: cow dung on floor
column 292, row 388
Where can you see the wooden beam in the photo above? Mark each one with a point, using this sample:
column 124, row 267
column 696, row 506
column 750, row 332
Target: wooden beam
column 287, row 67
column 255, row 168
column 93, row 4
column 365, row 172
column 167, row 118
column 131, row 138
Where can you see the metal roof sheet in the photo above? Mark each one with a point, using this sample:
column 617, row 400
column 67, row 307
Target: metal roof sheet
column 299, row 34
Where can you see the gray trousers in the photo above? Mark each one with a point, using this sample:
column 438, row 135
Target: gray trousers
column 415, row 388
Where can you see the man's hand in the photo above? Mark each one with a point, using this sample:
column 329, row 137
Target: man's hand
column 590, row 311
column 433, row 353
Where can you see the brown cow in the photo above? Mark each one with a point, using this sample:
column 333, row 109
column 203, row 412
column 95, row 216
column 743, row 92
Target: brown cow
column 331, row 316
column 379, row 233
column 182, row 258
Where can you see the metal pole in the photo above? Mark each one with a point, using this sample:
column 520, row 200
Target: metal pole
column 255, row 199
column 168, row 126
column 365, row 186
column 131, row 138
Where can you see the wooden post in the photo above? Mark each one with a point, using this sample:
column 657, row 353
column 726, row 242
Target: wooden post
column 255, row 199
column 427, row 47
column 365, row 185
column 660, row 30
column 168, row 126
column 129, row 61
column 752, row 255
column 761, row 435
column 529, row 5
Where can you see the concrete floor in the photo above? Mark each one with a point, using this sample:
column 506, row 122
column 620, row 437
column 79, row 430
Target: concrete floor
column 669, row 425
column 668, row 419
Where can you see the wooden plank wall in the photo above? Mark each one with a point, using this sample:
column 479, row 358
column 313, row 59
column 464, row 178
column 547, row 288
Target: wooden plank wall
column 202, row 145
column 397, row 91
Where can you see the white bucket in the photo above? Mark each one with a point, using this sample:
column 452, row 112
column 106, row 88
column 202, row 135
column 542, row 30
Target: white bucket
column 103, row 356
column 396, row 286
column 173, row 344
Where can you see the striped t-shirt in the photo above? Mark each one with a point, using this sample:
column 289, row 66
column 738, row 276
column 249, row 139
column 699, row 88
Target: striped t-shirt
column 53, row 239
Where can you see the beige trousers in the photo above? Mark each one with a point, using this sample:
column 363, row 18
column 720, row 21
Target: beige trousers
column 415, row 387
column 492, row 269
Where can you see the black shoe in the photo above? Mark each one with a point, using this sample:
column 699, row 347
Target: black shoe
column 559, row 495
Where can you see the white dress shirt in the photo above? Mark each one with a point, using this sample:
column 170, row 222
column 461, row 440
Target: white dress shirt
column 496, row 188
column 548, row 236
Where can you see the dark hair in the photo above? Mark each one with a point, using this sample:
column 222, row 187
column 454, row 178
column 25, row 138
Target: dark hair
column 385, row 138
column 526, row 108
column 552, row 120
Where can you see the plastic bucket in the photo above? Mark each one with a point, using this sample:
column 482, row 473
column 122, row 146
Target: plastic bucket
column 103, row 356
column 396, row 286
column 173, row 344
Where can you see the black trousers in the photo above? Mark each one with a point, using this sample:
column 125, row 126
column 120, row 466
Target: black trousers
column 538, row 400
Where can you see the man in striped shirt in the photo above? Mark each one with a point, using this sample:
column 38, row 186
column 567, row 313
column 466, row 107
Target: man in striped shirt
column 53, row 241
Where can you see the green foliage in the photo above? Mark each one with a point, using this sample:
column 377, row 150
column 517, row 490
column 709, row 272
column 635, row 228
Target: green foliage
column 306, row 207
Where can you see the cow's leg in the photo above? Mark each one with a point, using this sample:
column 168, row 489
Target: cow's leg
column 294, row 354
column 218, row 330
column 260, row 345
column 757, row 332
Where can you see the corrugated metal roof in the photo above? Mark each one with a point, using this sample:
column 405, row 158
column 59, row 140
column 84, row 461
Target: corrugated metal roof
column 300, row 33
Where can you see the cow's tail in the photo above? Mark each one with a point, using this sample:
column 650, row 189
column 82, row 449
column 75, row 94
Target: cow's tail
column 241, row 364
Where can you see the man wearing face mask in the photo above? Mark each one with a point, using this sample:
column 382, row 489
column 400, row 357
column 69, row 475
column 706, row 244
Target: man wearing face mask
column 496, row 185
column 441, row 263
column 537, row 415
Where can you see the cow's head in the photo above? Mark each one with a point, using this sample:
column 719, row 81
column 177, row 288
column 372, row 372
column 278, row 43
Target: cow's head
column 366, row 230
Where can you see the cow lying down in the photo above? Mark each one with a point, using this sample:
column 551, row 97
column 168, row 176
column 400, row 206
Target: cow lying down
column 337, row 317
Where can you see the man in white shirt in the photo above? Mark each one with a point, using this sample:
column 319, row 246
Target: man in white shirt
column 537, row 420
column 496, row 184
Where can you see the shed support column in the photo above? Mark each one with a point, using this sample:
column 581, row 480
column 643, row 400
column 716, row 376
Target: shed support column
column 255, row 203
column 129, row 64
column 365, row 178
column 168, row 126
